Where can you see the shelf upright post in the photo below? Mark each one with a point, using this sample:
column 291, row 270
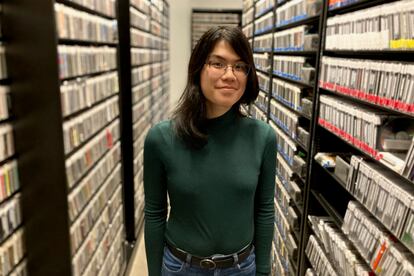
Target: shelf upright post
column 32, row 58
column 270, row 73
column 249, row 109
column 312, row 144
column 125, row 101
column 153, row 88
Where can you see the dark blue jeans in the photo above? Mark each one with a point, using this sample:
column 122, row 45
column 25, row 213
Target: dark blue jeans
column 172, row 266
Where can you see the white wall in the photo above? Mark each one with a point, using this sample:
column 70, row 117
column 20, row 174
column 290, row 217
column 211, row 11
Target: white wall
column 217, row 4
column 180, row 38
column 180, row 47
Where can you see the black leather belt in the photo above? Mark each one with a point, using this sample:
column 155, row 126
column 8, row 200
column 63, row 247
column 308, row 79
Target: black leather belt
column 211, row 262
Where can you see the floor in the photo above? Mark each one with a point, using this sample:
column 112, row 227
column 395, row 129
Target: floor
column 139, row 265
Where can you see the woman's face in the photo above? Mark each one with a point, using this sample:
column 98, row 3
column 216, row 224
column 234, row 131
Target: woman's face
column 223, row 79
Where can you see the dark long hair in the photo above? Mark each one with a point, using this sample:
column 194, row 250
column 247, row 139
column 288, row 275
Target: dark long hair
column 190, row 113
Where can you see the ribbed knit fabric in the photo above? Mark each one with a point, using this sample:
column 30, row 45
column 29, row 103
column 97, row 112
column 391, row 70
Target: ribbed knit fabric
column 221, row 195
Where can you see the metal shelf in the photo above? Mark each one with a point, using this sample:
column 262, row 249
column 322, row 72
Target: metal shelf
column 68, row 41
column 343, row 185
column 393, row 55
column 367, row 103
column 306, row 85
column 337, row 218
column 84, row 9
column 308, row 20
column 401, row 177
column 363, row 4
column 296, row 53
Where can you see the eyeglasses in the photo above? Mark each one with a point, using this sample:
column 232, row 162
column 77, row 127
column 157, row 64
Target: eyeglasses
column 239, row 69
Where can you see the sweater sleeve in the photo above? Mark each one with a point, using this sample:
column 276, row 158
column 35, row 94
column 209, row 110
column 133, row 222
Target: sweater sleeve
column 155, row 201
column 264, row 206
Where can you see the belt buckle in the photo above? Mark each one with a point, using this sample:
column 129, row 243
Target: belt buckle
column 207, row 264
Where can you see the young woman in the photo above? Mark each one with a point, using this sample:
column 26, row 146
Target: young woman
column 217, row 167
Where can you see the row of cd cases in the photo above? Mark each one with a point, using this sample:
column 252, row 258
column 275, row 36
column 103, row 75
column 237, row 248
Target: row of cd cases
column 286, row 86
column 289, row 182
column 290, row 175
column 95, row 184
column 89, row 97
column 148, row 59
column 149, row 86
column 370, row 29
column 377, row 91
column 376, row 232
column 259, row 18
column 283, row 94
column 203, row 20
column 289, row 179
column 288, row 92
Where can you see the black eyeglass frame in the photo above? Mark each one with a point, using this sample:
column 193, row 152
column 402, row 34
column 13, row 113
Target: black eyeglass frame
column 249, row 67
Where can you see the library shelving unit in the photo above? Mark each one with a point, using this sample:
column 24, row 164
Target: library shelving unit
column 80, row 92
column 148, row 56
column 204, row 19
column 286, row 53
column 362, row 113
column 247, row 26
column 89, row 97
column 331, row 94
column 12, row 250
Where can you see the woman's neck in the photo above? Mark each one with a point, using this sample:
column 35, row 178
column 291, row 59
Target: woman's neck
column 216, row 111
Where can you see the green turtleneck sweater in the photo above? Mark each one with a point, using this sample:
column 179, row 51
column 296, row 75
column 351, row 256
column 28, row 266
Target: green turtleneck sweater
column 221, row 195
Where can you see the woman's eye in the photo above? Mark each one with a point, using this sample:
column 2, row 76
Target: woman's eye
column 217, row 64
column 239, row 67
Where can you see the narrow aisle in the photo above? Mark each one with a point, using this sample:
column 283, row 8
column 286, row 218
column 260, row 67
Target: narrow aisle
column 139, row 266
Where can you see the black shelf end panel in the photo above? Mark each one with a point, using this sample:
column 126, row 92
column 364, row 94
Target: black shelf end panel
column 129, row 249
column 32, row 63
column 6, row 81
column 125, row 107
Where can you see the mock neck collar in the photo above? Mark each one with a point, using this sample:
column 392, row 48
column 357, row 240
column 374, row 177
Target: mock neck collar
column 224, row 120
